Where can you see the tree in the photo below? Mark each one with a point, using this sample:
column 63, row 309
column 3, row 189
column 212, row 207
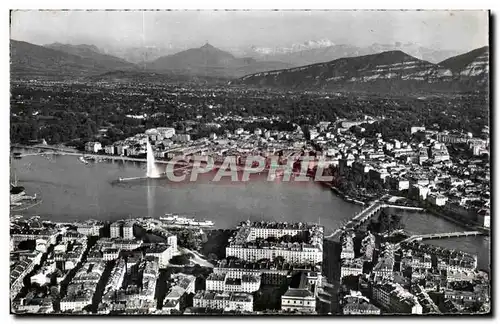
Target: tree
column 212, row 257
column 183, row 259
column 56, row 138
column 188, row 239
column 89, row 131
column 279, row 259
column 34, row 129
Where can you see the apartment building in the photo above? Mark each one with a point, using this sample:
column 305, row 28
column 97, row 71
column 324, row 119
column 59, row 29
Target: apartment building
column 226, row 282
column 395, row 298
column 236, row 301
column 245, row 244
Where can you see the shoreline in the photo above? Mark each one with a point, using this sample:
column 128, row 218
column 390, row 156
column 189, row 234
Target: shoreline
column 451, row 219
column 335, row 190
column 340, row 194
column 421, row 207
column 61, row 148
column 67, row 151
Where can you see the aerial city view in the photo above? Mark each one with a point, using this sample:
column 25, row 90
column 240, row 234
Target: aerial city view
column 328, row 163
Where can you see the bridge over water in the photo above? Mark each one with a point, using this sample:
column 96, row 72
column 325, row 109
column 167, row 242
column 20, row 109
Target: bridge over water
column 368, row 213
column 434, row 236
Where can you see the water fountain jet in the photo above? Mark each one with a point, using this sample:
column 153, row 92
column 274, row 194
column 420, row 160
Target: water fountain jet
column 152, row 171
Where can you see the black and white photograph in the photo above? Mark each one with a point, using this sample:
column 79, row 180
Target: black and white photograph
column 322, row 163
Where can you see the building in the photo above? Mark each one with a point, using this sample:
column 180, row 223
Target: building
column 110, row 149
column 128, row 230
column 479, row 295
column 299, row 297
column 347, row 242
column 216, row 282
column 357, row 304
column 124, row 244
column 17, row 274
column 483, row 217
column 428, row 305
column 419, row 192
column 116, row 277
column 460, row 275
column 439, row 152
column 416, row 260
column 423, row 155
column 182, row 286
column 270, row 272
column 110, row 254
column 395, row 299
column 82, row 287
column 42, row 277
column 447, row 137
column 89, row 229
column 76, row 303
column 163, row 252
column 33, row 304
column 235, row 301
column 368, row 246
column 150, row 271
column 415, row 129
column 182, row 138
column 298, row 300
column 396, row 183
column 93, row 147
column 437, row 199
column 116, row 229
column 384, row 268
column 351, row 267
column 243, row 243
column 172, row 241
column 225, row 282
column 121, row 148
column 90, row 272
column 166, row 132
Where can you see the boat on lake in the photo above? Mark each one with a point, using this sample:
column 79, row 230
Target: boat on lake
column 82, row 159
column 176, row 220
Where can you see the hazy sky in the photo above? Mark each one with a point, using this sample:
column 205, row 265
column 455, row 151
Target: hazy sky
column 457, row 30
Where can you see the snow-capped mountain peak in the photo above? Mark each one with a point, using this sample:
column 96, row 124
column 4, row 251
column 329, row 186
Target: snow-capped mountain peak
column 309, row 44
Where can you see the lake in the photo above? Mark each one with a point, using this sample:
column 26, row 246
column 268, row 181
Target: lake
column 72, row 191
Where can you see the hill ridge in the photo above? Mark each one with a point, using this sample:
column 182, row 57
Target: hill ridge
column 385, row 71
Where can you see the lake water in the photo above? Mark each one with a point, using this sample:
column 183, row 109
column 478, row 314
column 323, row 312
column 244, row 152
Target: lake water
column 71, row 191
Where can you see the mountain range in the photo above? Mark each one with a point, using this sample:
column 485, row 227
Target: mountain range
column 80, row 60
column 297, row 47
column 298, row 54
column 392, row 70
column 139, row 54
column 58, row 60
column 93, row 53
column 211, row 61
column 324, row 50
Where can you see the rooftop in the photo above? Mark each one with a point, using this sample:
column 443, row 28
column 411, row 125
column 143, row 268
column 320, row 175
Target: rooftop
column 298, row 293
